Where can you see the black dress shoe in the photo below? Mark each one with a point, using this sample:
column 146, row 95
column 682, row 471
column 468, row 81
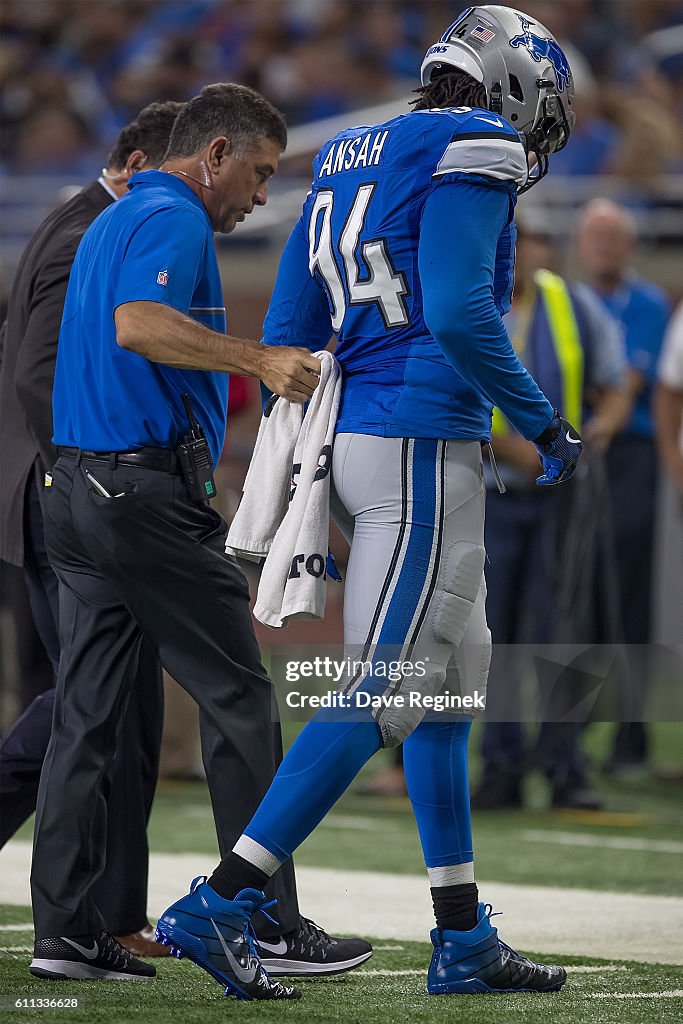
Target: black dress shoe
column 142, row 943
column 577, row 798
column 497, row 794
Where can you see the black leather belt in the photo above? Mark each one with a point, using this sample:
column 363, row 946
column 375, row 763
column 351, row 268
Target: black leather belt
column 162, row 459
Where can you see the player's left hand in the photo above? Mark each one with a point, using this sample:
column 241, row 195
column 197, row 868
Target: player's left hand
column 559, row 448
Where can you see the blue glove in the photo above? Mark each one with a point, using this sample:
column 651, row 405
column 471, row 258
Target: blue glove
column 559, row 447
column 331, row 568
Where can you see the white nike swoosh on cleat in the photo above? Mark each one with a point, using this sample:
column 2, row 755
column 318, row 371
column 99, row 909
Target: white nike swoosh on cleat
column 245, row 974
column 89, row 953
column 573, row 440
column 278, row 949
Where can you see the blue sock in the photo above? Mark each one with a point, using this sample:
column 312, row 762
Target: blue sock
column 322, row 762
column 435, row 762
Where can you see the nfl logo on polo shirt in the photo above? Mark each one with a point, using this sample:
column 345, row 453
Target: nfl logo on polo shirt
column 162, row 277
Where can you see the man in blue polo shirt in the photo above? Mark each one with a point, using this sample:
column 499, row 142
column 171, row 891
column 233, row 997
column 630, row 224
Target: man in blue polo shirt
column 606, row 239
column 143, row 354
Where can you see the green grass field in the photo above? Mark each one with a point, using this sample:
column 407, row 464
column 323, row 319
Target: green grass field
column 634, row 846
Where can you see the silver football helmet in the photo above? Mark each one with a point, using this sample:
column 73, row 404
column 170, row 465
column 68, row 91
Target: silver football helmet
column 525, row 73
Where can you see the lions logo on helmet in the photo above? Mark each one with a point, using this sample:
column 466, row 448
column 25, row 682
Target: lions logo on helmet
column 541, row 47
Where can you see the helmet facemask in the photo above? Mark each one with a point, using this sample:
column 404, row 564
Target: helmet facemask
column 549, row 133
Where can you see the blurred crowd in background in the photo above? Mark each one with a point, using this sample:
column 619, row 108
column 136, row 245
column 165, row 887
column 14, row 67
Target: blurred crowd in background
column 75, row 71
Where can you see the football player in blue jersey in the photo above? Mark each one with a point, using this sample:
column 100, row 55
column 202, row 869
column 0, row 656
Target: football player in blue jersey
column 405, row 251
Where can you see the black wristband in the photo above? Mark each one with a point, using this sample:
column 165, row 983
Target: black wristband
column 551, row 431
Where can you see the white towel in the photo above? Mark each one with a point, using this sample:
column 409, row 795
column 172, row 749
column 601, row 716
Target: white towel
column 284, row 513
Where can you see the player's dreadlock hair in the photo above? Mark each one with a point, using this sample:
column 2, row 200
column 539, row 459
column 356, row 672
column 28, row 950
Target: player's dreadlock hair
column 451, row 88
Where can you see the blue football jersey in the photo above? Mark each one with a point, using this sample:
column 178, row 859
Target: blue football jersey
column 351, row 267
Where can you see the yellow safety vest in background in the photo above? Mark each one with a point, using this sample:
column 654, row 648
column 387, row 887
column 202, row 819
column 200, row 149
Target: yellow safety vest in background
column 564, row 332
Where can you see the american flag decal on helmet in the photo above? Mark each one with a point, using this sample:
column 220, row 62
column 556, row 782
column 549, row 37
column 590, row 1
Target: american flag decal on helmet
column 482, row 33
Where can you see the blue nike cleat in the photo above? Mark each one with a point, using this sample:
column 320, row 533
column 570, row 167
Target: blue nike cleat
column 215, row 934
column 477, row 961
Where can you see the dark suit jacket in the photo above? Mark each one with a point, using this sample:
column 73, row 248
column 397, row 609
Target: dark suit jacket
column 29, row 351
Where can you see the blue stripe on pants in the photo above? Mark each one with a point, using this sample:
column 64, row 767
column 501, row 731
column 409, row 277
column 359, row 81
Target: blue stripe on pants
column 423, row 521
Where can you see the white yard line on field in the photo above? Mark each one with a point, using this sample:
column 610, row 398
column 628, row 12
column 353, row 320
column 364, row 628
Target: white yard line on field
column 605, row 842
column 17, row 927
column 595, row 968
column 574, row 922
column 392, row 974
column 674, row 993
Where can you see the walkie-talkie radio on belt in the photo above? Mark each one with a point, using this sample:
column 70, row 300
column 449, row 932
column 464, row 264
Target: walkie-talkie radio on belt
column 194, row 456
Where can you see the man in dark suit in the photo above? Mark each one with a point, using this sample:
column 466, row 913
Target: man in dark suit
column 29, row 349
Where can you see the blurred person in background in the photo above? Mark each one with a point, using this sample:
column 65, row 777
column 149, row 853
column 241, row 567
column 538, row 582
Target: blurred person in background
column 607, row 237
column 669, row 427
column 669, row 403
column 650, row 146
column 573, row 347
column 59, row 132
column 25, row 669
column 31, row 333
column 595, row 138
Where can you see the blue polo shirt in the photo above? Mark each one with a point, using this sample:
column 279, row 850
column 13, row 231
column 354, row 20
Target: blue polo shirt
column 643, row 310
column 155, row 244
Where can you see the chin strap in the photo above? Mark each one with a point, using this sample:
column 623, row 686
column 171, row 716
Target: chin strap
column 550, row 134
column 538, row 171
